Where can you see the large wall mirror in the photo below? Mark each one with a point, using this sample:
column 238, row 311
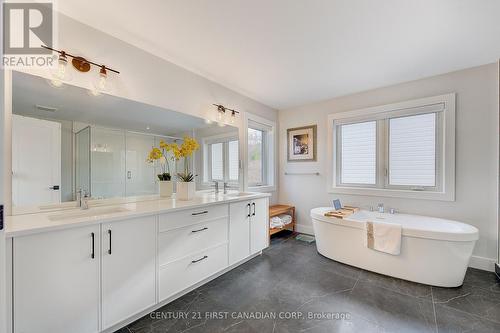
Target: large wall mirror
column 65, row 139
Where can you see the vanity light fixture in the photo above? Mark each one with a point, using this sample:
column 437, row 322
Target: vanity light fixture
column 221, row 112
column 82, row 65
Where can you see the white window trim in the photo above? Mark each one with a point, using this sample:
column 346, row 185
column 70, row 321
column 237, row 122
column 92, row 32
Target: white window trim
column 206, row 158
column 447, row 169
column 270, row 148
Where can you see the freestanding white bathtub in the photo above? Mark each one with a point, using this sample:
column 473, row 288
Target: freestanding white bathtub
column 433, row 251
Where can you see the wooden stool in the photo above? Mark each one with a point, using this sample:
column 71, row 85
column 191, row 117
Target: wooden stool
column 278, row 210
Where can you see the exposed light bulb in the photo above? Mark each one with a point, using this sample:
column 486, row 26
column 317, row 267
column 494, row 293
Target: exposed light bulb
column 219, row 115
column 233, row 116
column 62, row 63
column 101, row 84
column 103, row 76
column 60, row 73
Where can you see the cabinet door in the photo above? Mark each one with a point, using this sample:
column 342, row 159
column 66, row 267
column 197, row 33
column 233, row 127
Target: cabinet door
column 128, row 268
column 239, row 231
column 259, row 222
column 56, row 282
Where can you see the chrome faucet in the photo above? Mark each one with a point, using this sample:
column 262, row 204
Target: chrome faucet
column 79, row 197
column 216, row 186
column 392, row 211
column 82, row 199
column 84, row 202
column 226, row 187
column 380, row 207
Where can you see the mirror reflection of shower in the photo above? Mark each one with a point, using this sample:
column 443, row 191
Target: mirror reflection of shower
column 111, row 163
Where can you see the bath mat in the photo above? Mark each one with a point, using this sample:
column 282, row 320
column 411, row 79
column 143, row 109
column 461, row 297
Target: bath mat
column 305, row 238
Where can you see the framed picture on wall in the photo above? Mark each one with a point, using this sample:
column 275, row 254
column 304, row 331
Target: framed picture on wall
column 302, row 144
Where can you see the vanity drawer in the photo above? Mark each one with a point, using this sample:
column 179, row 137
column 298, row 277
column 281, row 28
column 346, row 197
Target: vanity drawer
column 177, row 243
column 183, row 273
column 192, row 216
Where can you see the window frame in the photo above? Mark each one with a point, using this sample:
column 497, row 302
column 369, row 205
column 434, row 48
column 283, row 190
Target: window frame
column 270, row 148
column 445, row 148
column 264, row 160
column 207, row 160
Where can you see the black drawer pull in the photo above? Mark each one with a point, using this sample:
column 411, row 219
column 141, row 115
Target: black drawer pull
column 198, row 260
column 249, row 214
column 200, row 213
column 202, row 229
column 92, row 254
column 253, row 214
column 109, row 233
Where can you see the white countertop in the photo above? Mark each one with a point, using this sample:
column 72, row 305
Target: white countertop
column 26, row 224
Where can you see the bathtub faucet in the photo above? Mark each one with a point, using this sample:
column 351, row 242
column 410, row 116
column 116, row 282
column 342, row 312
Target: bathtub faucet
column 380, row 207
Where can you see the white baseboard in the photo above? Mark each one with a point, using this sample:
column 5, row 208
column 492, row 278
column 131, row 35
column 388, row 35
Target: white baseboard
column 486, row 264
column 304, row 229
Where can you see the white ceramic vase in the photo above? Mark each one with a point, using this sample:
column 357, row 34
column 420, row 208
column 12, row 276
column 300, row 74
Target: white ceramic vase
column 185, row 190
column 166, row 188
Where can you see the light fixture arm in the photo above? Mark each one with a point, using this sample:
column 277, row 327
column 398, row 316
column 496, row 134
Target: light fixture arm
column 80, row 59
column 222, row 108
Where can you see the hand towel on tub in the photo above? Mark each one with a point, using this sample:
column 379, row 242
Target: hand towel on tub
column 383, row 237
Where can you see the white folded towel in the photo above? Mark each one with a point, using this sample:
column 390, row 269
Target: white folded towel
column 384, row 237
column 275, row 222
column 280, row 221
column 285, row 219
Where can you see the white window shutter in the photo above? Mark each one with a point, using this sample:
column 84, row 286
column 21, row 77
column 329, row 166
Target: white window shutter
column 412, row 150
column 217, row 161
column 234, row 160
column 359, row 153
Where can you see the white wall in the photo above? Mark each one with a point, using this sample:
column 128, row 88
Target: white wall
column 476, row 154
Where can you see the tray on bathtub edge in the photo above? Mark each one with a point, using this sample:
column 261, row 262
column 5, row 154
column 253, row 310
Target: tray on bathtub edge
column 341, row 213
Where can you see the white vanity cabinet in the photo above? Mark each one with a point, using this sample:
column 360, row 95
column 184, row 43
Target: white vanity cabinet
column 248, row 230
column 259, row 225
column 128, row 268
column 96, row 278
column 192, row 246
column 56, row 281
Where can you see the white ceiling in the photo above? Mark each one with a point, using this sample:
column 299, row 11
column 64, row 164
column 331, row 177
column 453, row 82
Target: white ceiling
column 291, row 52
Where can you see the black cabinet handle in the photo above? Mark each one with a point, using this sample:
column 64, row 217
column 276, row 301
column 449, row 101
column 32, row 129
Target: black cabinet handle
column 249, row 214
column 55, row 188
column 202, row 229
column 200, row 213
column 109, row 234
column 92, row 254
column 198, row 260
column 253, row 204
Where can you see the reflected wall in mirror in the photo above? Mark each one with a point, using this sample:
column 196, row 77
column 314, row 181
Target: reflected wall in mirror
column 64, row 139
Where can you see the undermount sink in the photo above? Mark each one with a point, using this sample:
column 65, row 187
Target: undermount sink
column 238, row 194
column 92, row 212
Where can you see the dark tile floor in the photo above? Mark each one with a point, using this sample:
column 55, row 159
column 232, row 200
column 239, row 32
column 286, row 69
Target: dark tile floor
column 292, row 279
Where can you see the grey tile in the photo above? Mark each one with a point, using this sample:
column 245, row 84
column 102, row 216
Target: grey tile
column 483, row 279
column 474, row 300
column 453, row 321
column 398, row 285
column 388, row 309
column 291, row 277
